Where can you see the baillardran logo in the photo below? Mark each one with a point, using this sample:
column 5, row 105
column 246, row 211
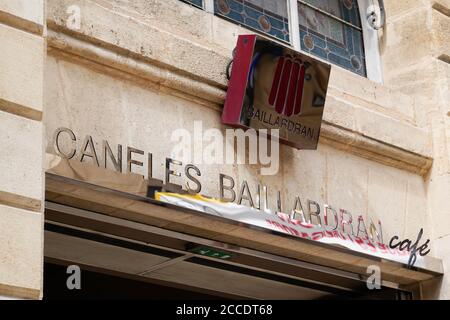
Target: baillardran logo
column 286, row 92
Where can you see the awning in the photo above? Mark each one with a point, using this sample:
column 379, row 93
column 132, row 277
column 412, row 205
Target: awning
column 73, row 203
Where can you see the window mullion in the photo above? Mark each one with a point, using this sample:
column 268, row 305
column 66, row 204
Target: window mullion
column 371, row 45
column 294, row 29
column 209, row 5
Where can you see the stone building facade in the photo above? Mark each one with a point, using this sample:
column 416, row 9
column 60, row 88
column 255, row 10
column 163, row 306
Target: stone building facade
column 132, row 72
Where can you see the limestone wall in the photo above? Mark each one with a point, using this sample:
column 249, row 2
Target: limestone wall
column 144, row 117
column 22, row 57
column 416, row 50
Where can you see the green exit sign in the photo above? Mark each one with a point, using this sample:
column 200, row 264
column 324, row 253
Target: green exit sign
column 213, row 253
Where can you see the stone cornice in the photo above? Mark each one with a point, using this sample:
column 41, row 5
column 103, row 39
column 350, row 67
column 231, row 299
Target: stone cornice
column 369, row 148
column 21, row 23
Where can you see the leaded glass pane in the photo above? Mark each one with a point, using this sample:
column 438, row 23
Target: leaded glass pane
column 319, row 22
column 267, row 16
column 325, row 33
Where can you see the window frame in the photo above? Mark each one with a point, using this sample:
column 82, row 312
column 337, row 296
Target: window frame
column 370, row 36
column 371, row 43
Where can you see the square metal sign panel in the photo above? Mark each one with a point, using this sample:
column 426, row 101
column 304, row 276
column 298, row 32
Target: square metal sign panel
column 275, row 87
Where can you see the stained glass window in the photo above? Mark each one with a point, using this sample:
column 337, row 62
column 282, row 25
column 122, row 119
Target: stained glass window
column 267, row 16
column 331, row 30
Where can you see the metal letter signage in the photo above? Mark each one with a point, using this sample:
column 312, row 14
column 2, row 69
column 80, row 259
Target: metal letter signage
column 238, row 200
column 274, row 87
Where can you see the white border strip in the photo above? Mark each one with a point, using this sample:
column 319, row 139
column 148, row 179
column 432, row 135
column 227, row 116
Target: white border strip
column 294, row 24
column 371, row 45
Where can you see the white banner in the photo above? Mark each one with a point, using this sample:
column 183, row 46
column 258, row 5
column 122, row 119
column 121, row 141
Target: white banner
column 282, row 223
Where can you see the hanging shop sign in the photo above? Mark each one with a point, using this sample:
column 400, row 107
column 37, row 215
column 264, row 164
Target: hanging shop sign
column 275, row 87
